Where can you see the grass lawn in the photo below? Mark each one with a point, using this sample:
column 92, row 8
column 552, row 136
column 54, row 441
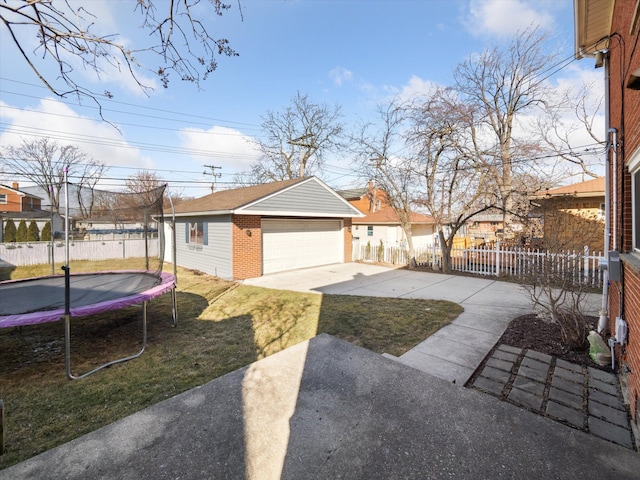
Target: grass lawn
column 222, row 326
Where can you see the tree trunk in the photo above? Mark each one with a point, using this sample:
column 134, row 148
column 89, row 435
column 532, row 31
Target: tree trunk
column 445, row 248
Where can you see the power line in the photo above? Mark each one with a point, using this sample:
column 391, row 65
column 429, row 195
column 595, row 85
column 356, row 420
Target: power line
column 93, row 140
column 142, row 107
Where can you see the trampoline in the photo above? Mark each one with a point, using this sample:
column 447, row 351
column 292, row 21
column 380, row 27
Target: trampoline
column 42, row 299
column 38, row 300
column 33, row 301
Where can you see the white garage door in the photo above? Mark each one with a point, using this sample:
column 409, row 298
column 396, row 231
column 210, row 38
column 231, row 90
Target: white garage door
column 291, row 244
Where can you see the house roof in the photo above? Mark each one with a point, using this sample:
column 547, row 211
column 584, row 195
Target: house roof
column 353, row 194
column 19, row 192
column 388, row 216
column 592, row 23
column 31, row 215
column 487, row 217
column 589, row 188
column 306, row 196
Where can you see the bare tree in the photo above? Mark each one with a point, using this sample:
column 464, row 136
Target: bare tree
column 295, row 141
column 42, row 161
column 87, row 179
column 503, row 84
column 146, row 183
column 449, row 162
column 576, row 111
column 179, row 40
column 394, row 175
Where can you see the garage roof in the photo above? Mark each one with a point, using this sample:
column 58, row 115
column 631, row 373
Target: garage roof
column 307, row 196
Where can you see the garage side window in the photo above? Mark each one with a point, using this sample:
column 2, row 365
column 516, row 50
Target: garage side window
column 370, row 231
column 196, row 233
column 3, row 198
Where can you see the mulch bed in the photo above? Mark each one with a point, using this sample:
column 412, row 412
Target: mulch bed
column 534, row 333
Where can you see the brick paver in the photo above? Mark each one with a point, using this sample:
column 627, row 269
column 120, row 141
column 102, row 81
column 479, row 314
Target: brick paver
column 584, row 398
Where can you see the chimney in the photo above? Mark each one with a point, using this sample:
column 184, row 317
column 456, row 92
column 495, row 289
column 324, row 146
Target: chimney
column 15, row 185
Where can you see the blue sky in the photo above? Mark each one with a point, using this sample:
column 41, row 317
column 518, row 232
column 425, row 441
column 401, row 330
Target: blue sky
column 355, row 53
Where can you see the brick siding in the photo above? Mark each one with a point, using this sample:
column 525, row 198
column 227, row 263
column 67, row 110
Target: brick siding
column 624, row 113
column 246, row 248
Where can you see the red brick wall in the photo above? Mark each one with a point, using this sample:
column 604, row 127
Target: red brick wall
column 624, row 114
column 247, row 249
column 18, row 203
column 348, row 240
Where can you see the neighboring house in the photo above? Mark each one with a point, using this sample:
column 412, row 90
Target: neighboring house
column 484, row 228
column 252, row 231
column 380, row 222
column 12, row 199
column 16, row 204
column 608, row 30
column 572, row 216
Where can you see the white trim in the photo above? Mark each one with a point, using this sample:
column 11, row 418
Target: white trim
column 634, row 161
column 633, row 165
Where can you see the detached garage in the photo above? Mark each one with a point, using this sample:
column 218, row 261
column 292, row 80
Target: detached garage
column 252, row 231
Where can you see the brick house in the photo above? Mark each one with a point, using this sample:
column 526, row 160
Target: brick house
column 573, row 215
column 12, row 199
column 17, row 205
column 381, row 223
column 607, row 30
column 248, row 232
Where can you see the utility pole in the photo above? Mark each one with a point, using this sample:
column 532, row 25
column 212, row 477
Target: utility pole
column 213, row 174
column 299, row 142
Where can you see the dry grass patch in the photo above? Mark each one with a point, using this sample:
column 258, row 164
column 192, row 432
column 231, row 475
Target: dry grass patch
column 222, row 326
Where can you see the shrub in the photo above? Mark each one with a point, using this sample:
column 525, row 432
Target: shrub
column 45, row 235
column 381, row 252
column 21, row 234
column 10, row 231
column 33, row 232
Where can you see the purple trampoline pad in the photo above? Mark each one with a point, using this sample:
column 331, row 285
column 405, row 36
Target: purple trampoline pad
column 38, row 300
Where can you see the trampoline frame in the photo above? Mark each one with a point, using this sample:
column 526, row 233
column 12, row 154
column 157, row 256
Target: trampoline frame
column 67, row 337
column 168, row 284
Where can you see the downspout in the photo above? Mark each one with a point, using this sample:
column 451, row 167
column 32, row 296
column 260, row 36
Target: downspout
column 604, row 309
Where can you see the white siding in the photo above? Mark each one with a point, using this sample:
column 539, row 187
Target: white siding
column 214, row 258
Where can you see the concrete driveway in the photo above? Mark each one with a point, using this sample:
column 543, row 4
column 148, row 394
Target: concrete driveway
column 455, row 351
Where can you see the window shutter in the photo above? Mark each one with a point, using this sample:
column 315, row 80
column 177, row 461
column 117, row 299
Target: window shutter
column 205, row 233
column 186, row 232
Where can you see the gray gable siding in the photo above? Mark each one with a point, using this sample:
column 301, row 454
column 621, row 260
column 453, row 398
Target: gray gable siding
column 309, row 198
column 215, row 258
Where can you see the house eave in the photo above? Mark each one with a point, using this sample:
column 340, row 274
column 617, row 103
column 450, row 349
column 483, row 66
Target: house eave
column 592, row 25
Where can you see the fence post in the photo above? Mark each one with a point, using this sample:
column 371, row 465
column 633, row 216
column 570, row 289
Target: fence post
column 498, row 258
column 586, row 264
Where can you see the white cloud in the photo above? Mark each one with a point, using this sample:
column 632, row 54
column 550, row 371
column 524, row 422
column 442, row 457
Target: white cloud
column 55, row 120
column 416, row 87
column 339, row 75
column 502, row 18
column 225, row 147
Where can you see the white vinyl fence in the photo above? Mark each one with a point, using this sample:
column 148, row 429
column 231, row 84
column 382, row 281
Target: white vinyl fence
column 497, row 261
column 37, row 253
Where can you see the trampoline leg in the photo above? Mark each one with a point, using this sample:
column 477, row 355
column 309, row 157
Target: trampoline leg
column 174, row 310
column 67, row 345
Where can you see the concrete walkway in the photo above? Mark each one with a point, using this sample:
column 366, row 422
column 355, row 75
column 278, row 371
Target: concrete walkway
column 454, row 352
